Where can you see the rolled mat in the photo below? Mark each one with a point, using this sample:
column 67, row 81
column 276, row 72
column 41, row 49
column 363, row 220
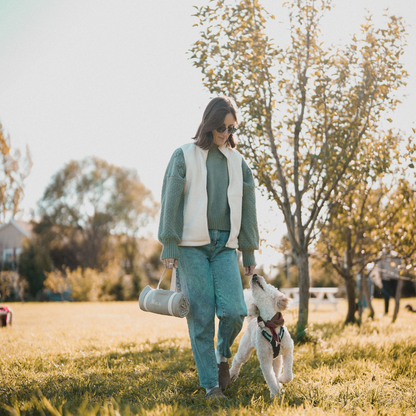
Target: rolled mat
column 163, row 302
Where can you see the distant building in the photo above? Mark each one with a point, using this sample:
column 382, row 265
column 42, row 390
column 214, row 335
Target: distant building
column 12, row 236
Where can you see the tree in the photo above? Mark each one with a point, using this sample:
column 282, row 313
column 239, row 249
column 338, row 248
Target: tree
column 85, row 204
column 400, row 236
column 352, row 237
column 308, row 110
column 34, row 262
column 13, row 172
column 354, row 234
column 372, row 218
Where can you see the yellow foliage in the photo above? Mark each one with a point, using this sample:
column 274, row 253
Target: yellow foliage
column 6, row 281
column 55, row 282
column 93, row 285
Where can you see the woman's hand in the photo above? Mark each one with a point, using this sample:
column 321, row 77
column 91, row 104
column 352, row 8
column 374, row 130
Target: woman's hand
column 249, row 270
column 169, row 263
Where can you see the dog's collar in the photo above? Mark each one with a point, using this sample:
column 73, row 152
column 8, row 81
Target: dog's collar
column 273, row 323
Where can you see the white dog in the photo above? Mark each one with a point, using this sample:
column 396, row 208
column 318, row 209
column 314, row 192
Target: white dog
column 266, row 303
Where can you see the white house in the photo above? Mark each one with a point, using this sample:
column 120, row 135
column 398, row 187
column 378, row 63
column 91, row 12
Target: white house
column 12, row 236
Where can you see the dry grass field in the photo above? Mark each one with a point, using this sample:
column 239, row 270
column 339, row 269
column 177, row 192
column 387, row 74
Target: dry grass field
column 111, row 358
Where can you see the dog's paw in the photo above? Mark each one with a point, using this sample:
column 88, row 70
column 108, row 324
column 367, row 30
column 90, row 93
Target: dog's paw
column 278, row 393
column 233, row 375
column 285, row 378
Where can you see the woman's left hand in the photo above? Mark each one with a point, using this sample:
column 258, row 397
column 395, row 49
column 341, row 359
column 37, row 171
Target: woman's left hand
column 249, row 270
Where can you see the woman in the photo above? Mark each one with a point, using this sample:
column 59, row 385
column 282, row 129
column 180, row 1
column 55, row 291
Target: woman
column 208, row 211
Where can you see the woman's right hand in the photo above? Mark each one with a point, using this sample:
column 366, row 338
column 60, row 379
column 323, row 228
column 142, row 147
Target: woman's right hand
column 169, row 263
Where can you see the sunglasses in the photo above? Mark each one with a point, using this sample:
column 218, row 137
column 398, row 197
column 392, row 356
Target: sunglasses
column 231, row 130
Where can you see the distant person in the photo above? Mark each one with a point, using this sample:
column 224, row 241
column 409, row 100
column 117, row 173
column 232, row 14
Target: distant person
column 208, row 211
column 382, row 278
column 389, row 290
column 388, row 268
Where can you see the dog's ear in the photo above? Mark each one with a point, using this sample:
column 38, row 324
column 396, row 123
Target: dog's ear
column 282, row 301
column 253, row 310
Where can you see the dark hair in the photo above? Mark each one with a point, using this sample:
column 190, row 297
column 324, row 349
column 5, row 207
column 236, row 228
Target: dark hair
column 213, row 118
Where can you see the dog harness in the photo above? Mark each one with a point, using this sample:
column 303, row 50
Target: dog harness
column 274, row 339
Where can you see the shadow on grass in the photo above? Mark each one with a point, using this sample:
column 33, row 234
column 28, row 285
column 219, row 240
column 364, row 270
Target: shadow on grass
column 141, row 377
column 161, row 379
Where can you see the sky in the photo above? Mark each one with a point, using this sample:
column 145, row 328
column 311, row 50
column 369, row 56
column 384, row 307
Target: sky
column 113, row 79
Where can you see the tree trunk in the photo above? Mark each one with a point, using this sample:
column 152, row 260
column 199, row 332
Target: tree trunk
column 367, row 295
column 350, row 286
column 397, row 299
column 361, row 298
column 349, row 279
column 303, row 267
column 21, row 292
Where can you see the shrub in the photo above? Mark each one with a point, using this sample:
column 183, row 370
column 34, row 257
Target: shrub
column 93, row 285
column 56, row 283
column 34, row 261
column 6, row 281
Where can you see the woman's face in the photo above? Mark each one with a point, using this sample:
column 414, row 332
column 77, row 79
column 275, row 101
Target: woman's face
column 221, row 138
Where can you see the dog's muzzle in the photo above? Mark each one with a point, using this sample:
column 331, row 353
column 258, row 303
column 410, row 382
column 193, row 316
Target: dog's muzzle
column 255, row 281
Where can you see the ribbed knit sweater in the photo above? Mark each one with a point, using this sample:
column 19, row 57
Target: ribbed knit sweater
column 171, row 218
column 217, row 184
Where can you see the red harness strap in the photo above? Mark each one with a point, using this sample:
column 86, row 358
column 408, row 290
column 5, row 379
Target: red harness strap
column 273, row 323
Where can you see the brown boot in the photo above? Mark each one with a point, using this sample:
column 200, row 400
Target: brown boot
column 224, row 375
column 215, row 394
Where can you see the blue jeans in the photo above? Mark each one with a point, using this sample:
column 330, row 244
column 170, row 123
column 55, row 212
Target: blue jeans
column 210, row 279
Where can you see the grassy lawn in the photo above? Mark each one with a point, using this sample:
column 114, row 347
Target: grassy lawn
column 113, row 359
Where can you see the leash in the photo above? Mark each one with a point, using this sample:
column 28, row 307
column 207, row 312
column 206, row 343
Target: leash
column 274, row 339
